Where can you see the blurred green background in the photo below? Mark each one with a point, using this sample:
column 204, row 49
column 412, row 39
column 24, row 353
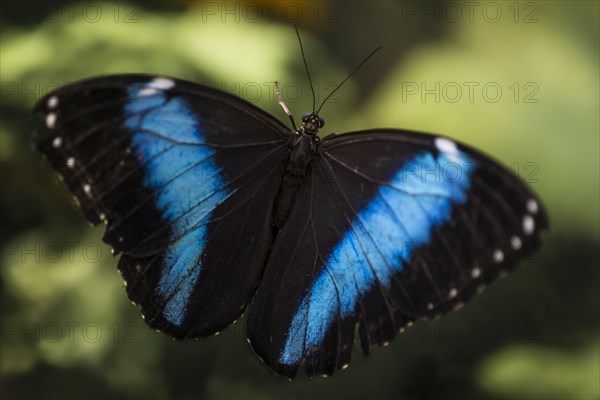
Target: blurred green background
column 518, row 80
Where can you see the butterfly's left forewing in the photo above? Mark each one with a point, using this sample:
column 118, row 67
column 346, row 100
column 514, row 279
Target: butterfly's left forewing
column 184, row 177
column 390, row 226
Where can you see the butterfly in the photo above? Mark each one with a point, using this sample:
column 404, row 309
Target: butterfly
column 214, row 204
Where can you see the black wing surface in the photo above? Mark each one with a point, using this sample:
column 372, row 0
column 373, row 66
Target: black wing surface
column 390, row 226
column 184, row 178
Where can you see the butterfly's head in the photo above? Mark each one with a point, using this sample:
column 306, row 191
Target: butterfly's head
column 311, row 123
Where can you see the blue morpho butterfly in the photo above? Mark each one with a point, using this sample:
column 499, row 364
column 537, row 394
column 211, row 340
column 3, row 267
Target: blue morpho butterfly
column 212, row 202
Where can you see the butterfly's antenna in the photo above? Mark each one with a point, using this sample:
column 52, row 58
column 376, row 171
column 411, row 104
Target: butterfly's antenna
column 306, row 67
column 282, row 104
column 348, row 77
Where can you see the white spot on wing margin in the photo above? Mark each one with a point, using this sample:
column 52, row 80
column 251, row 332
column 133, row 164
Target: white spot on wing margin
column 50, row 120
column 52, row 102
column 528, row 224
column 447, row 147
column 162, row 83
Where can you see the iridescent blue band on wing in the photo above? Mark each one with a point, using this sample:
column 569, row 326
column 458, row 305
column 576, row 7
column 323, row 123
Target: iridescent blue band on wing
column 379, row 243
column 179, row 168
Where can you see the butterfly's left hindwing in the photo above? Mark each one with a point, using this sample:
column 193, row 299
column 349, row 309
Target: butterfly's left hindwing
column 390, row 226
column 184, row 177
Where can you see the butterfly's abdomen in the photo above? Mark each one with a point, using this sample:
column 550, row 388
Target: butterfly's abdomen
column 302, row 152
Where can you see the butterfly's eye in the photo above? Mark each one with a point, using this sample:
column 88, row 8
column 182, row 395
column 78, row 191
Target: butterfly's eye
column 321, row 122
column 312, row 117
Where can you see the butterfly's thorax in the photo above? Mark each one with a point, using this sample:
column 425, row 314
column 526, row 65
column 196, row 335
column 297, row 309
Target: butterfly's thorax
column 302, row 151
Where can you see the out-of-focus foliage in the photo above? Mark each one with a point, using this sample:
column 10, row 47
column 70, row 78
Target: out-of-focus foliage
column 546, row 127
column 67, row 327
column 530, row 371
